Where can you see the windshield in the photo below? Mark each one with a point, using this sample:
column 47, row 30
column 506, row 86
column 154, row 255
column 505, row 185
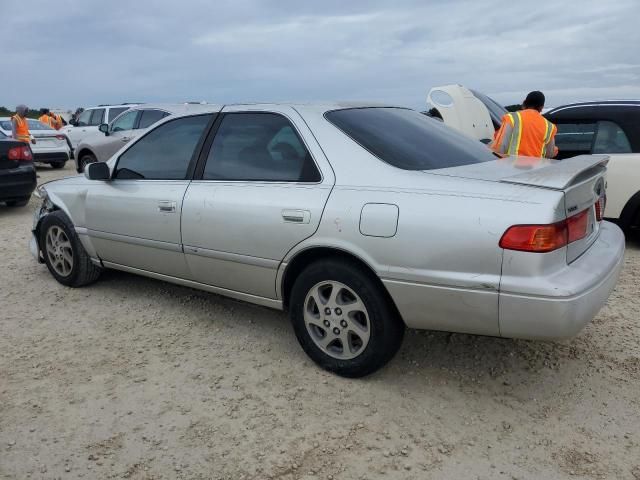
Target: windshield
column 407, row 139
column 496, row 110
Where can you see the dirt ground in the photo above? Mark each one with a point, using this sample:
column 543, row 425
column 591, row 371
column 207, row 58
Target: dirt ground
column 135, row 378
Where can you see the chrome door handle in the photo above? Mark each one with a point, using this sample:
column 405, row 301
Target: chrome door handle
column 167, row 206
column 296, row 216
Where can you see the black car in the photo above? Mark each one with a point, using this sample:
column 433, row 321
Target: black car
column 611, row 128
column 17, row 173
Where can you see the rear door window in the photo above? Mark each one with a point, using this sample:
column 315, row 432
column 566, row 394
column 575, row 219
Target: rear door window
column 575, row 138
column 149, row 117
column 407, row 139
column 259, row 147
column 610, row 138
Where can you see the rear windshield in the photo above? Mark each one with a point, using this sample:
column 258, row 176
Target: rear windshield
column 407, row 139
column 38, row 125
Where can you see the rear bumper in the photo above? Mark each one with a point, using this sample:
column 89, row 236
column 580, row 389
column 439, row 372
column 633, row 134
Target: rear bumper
column 17, row 183
column 556, row 314
column 50, row 157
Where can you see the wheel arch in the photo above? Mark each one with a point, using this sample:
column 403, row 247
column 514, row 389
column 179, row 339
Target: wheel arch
column 630, row 212
column 307, row 256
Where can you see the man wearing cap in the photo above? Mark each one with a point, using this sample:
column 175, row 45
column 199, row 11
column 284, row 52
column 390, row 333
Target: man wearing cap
column 526, row 132
column 20, row 125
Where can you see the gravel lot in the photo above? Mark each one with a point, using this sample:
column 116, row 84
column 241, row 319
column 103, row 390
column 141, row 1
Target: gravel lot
column 135, row 378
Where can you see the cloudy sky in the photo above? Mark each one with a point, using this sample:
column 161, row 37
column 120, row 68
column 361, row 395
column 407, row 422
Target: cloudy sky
column 69, row 53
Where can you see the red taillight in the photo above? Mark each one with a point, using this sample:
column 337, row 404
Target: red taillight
column 577, row 226
column 546, row 238
column 20, row 153
column 600, row 204
column 60, row 137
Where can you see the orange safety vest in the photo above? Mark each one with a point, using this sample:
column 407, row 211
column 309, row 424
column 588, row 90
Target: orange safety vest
column 531, row 133
column 22, row 129
column 46, row 119
column 57, row 121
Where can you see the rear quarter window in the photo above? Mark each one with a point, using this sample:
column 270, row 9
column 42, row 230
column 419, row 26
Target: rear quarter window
column 407, row 139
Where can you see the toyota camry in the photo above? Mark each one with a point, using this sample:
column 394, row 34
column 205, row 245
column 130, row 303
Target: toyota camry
column 360, row 220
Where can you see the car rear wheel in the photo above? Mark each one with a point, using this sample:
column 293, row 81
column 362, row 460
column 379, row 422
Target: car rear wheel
column 86, row 159
column 63, row 252
column 57, row 165
column 18, row 203
column 344, row 319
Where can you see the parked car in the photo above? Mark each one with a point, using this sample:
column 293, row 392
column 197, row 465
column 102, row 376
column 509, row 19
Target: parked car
column 51, row 146
column 111, row 137
column 17, row 173
column 613, row 128
column 359, row 220
column 89, row 121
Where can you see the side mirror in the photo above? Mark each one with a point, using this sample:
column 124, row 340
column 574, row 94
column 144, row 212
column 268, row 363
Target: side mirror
column 104, row 128
column 97, row 171
column 73, row 122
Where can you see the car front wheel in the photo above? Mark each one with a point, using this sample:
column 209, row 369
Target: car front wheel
column 63, row 252
column 344, row 319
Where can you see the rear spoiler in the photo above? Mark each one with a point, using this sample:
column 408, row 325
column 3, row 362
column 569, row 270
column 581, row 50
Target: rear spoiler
column 560, row 174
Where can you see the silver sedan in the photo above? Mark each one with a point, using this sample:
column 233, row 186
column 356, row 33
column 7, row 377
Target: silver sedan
column 360, row 220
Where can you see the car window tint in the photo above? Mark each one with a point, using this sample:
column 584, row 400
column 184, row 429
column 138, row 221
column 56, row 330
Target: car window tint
column 610, row 138
column 575, row 137
column 164, row 153
column 114, row 112
column 96, row 117
column 259, row 147
column 5, row 125
column 407, row 139
column 125, row 121
column 2, row 135
column 149, row 117
column 84, row 118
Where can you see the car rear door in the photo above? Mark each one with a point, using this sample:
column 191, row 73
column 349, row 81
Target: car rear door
column 134, row 219
column 262, row 184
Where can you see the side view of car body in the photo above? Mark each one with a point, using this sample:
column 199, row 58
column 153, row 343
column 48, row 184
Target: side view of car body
column 612, row 128
column 100, row 146
column 51, row 146
column 360, row 220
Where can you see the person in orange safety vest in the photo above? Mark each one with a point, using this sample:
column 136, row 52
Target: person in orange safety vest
column 46, row 117
column 20, row 125
column 526, row 132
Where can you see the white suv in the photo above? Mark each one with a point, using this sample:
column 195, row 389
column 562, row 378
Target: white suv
column 89, row 121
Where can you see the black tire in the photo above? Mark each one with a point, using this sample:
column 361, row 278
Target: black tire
column 18, row 203
column 86, row 159
column 57, row 165
column 83, row 270
column 386, row 329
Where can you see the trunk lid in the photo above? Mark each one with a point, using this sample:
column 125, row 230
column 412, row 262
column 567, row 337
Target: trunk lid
column 581, row 179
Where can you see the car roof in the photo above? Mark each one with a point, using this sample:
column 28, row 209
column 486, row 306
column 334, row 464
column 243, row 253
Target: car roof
column 597, row 104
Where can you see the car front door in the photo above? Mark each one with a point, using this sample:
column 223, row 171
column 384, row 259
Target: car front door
column 134, row 219
column 261, row 190
column 77, row 132
column 120, row 133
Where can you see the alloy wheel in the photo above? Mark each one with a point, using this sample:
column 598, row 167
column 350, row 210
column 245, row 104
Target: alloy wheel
column 59, row 251
column 337, row 320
